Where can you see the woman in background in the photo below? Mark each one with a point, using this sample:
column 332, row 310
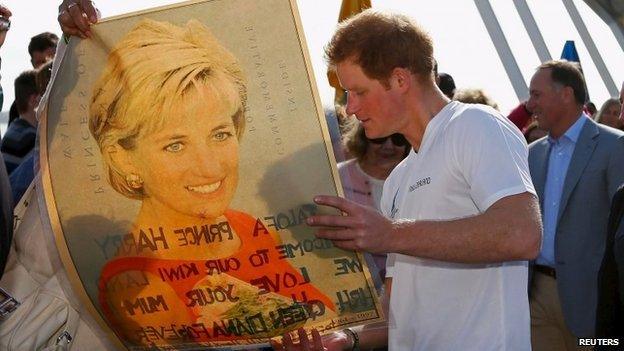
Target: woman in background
column 363, row 176
column 474, row 96
column 609, row 114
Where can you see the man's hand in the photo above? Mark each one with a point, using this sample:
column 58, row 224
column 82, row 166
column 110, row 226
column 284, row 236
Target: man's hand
column 336, row 341
column 77, row 16
column 6, row 13
column 361, row 229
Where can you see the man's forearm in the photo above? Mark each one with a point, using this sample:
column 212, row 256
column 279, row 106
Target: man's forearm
column 509, row 230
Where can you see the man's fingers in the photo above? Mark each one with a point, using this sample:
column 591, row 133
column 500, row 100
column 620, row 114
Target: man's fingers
column 341, row 238
column 287, row 343
column 331, row 221
column 340, row 203
column 78, row 17
column 317, row 341
column 335, row 234
column 89, row 9
column 68, row 26
column 5, row 12
column 304, row 344
column 64, row 19
column 276, row 345
column 348, row 245
column 303, row 339
column 73, row 31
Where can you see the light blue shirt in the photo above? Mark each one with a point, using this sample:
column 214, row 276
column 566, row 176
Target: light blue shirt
column 561, row 150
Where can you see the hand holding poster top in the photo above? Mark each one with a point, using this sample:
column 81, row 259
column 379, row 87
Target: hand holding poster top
column 76, row 16
column 195, row 147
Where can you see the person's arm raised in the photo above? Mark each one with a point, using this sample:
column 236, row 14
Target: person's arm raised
column 508, row 230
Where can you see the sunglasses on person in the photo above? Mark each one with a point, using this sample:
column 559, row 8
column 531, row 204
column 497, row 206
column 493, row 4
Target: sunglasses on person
column 397, row 140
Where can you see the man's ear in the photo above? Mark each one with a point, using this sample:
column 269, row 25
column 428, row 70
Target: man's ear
column 568, row 94
column 119, row 159
column 401, row 78
column 33, row 101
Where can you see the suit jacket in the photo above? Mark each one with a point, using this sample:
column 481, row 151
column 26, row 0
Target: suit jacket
column 610, row 311
column 595, row 172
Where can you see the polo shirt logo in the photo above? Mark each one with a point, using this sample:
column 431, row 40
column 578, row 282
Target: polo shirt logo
column 418, row 184
column 394, row 209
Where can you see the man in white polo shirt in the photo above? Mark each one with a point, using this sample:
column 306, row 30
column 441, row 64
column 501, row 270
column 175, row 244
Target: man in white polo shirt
column 461, row 215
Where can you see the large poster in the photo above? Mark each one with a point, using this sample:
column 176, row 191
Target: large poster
column 181, row 152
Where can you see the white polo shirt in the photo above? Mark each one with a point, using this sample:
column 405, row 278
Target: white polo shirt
column 470, row 157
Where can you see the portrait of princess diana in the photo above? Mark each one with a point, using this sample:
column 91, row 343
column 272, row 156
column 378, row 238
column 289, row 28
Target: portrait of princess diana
column 168, row 115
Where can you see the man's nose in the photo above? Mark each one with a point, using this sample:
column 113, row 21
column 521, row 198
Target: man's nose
column 530, row 104
column 352, row 105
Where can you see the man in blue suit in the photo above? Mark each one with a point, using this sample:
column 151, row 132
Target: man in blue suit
column 576, row 170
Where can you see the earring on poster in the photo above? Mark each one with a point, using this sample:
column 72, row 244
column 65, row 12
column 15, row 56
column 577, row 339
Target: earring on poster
column 134, row 181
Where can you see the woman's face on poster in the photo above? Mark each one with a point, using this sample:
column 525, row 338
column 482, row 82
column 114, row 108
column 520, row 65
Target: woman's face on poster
column 189, row 167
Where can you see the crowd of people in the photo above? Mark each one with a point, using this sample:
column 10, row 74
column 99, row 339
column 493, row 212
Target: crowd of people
column 18, row 141
column 482, row 231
